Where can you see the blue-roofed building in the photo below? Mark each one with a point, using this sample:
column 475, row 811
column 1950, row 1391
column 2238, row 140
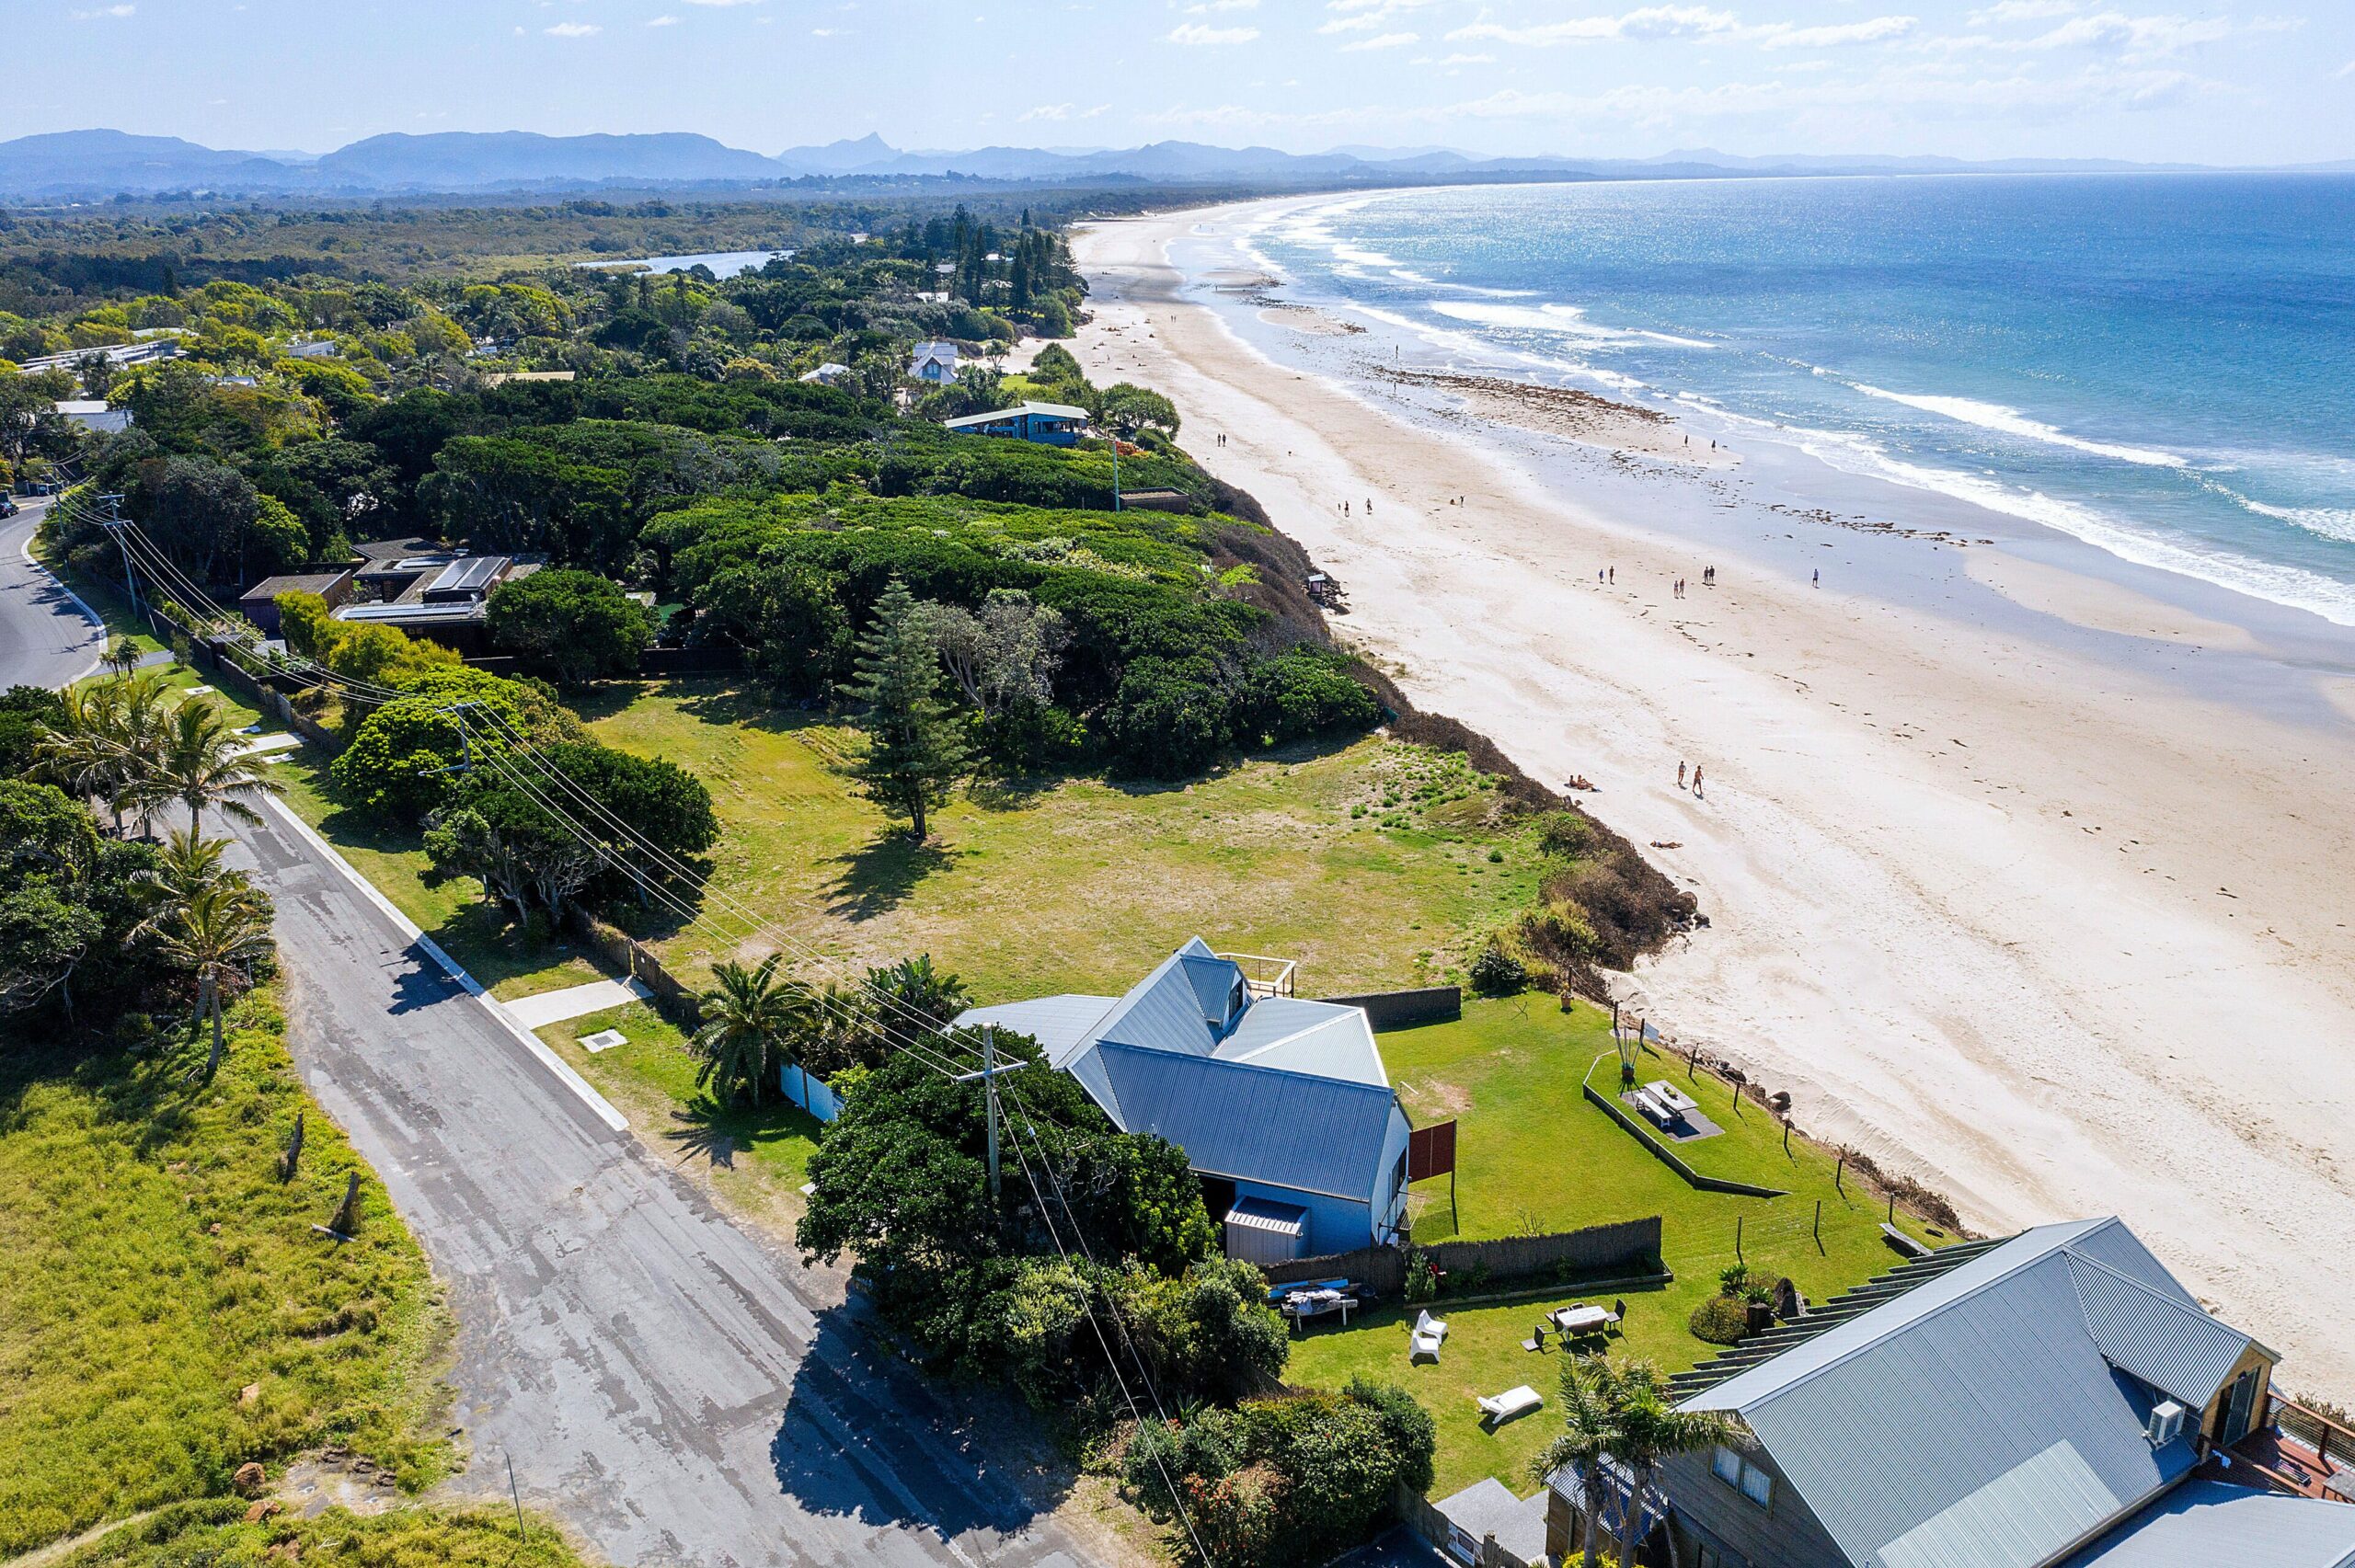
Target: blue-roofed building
column 1048, row 424
column 1281, row 1104
column 2055, row 1398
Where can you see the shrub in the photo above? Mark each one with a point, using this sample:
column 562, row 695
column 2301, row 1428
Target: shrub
column 572, row 627
column 1496, row 972
column 1303, row 691
column 1721, row 1320
column 1565, row 833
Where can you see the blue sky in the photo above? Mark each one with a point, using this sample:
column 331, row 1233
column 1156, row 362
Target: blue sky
column 2218, row 81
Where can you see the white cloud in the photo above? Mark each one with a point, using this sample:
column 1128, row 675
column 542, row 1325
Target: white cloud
column 1209, row 5
column 105, row 12
column 1060, row 112
column 1387, row 41
column 1195, row 33
column 2024, row 11
column 2346, row 70
column 2131, row 35
column 663, row 22
column 1650, row 22
column 723, row 2
column 1877, row 30
column 573, row 30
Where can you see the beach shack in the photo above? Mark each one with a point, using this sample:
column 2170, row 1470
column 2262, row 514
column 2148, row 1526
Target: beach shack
column 1048, row 424
column 1281, row 1104
column 934, row 363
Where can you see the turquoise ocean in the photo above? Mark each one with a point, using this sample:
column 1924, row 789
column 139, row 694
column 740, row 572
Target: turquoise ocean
column 2161, row 366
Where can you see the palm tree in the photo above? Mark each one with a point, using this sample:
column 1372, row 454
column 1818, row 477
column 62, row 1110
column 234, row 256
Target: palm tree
column 747, row 1017
column 110, row 728
column 1648, row 1429
column 122, row 656
column 833, row 1026
column 205, row 762
column 1587, row 1437
column 189, row 865
column 219, row 934
column 914, row 985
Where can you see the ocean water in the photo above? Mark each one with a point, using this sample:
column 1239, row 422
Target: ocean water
column 723, row 263
column 2161, row 366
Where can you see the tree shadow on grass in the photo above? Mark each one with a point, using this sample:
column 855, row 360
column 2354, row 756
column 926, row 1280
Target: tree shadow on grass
column 708, row 1129
column 883, row 876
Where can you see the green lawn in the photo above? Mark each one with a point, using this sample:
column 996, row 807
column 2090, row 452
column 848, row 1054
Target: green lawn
column 157, row 1268
column 761, row 1153
column 1533, row 1156
column 1083, row 884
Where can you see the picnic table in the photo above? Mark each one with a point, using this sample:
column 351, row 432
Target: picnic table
column 1668, row 1094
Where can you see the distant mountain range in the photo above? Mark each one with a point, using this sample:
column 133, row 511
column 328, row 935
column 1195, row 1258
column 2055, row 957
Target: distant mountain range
column 71, row 165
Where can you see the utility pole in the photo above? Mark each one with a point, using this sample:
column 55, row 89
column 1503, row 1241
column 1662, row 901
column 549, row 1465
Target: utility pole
column 112, row 522
column 989, row 1092
column 1115, row 472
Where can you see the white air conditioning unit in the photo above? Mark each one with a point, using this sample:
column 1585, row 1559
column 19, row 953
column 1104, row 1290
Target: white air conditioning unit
column 2165, row 1423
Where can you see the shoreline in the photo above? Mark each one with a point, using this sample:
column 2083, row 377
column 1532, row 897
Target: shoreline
column 2049, row 931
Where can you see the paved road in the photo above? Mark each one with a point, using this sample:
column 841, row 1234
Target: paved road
column 45, row 640
column 660, row 1379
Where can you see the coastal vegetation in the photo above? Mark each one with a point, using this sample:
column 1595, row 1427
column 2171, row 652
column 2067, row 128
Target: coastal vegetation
column 173, row 1324
column 227, row 1531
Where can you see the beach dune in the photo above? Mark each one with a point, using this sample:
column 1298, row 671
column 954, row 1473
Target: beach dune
column 2046, row 931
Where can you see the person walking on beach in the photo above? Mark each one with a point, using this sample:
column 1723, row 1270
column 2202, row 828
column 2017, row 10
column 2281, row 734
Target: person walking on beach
column 1680, row 773
column 1818, row 576
column 1696, row 781
column 1614, row 576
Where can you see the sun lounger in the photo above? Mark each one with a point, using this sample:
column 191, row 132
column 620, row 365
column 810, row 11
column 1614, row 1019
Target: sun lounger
column 1498, row 1409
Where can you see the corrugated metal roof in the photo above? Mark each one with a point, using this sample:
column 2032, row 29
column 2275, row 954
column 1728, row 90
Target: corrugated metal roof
column 1306, row 1036
column 1063, row 1025
column 1287, row 1129
column 1266, row 1214
column 1164, row 1012
column 2202, row 1524
column 1977, row 1421
column 2170, row 1344
column 1488, row 1507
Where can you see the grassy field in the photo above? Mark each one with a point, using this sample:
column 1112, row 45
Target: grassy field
column 1533, row 1156
column 217, row 1533
column 157, row 1268
column 1370, row 864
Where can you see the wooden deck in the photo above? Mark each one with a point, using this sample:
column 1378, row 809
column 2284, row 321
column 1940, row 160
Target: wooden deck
column 2287, row 1463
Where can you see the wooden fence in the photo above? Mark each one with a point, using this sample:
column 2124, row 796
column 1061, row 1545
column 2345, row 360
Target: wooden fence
column 621, row 951
column 1399, row 1009
column 1629, row 1246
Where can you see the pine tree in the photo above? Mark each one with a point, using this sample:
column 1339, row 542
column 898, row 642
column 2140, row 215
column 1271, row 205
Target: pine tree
column 915, row 750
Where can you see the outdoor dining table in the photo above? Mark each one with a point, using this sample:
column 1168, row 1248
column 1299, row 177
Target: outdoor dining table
column 1581, row 1320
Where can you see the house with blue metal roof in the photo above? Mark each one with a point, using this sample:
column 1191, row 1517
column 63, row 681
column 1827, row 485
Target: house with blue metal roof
column 1281, row 1104
column 2055, row 1398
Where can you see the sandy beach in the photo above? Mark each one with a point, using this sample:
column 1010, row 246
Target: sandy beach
column 2055, row 932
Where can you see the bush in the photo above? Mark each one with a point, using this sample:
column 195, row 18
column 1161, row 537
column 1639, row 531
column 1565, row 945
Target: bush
column 1169, row 718
column 1497, row 972
column 1303, row 691
column 572, row 626
column 1721, row 1320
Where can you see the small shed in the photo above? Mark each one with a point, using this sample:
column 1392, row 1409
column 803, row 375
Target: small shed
column 1261, row 1230
column 259, row 603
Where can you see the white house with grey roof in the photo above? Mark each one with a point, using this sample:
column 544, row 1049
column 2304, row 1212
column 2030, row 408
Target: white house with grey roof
column 1281, row 1104
column 2057, row 1398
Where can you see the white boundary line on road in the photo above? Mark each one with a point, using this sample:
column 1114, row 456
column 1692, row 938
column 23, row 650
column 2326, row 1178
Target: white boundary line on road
column 555, row 1064
column 25, row 550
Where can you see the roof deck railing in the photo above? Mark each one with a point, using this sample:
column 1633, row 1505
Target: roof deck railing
column 1264, row 976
